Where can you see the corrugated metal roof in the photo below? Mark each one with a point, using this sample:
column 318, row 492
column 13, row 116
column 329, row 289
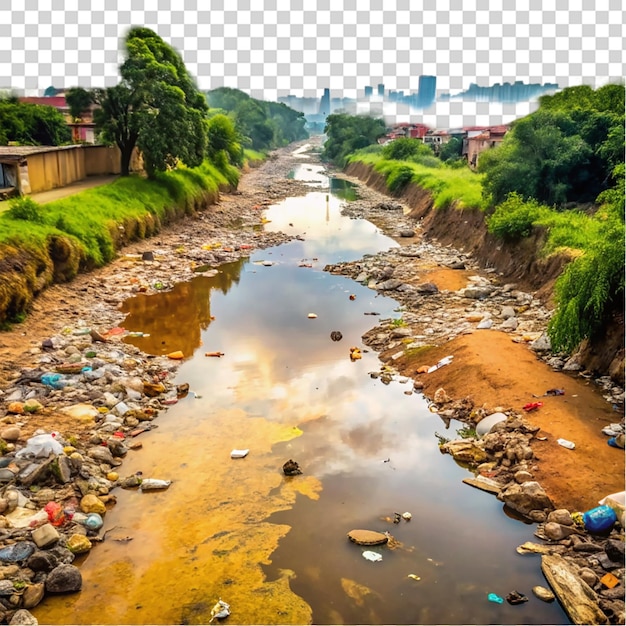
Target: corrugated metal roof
column 19, row 152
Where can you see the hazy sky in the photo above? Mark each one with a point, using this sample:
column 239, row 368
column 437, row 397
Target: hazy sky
column 271, row 48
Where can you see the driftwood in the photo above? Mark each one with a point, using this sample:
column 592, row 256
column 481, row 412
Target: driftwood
column 539, row 548
column 577, row 598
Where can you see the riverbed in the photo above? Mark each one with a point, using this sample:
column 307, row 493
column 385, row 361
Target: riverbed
column 274, row 547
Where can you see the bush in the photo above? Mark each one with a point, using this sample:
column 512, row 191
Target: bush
column 25, row 208
column 402, row 148
column 399, row 178
column 515, row 217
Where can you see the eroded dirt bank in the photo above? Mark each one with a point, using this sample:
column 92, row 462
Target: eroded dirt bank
column 519, row 262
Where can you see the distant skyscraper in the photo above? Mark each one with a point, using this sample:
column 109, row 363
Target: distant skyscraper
column 381, row 89
column 368, row 91
column 426, row 90
column 325, row 102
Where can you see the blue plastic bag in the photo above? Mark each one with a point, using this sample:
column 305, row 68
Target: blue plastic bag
column 600, row 519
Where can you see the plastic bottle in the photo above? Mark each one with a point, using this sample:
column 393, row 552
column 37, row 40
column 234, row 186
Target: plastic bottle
column 570, row 445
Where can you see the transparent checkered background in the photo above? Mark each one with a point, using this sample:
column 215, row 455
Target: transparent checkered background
column 271, row 48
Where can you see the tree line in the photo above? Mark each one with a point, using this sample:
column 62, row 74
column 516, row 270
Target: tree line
column 158, row 108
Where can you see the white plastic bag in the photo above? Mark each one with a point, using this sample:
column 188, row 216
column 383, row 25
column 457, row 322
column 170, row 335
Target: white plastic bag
column 617, row 501
column 152, row 484
column 40, row 446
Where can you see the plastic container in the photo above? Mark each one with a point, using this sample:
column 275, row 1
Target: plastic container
column 53, row 380
column 570, row 445
column 487, row 423
column 600, row 519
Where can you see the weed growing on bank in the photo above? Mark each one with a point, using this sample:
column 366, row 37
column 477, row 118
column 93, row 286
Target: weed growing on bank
column 448, row 185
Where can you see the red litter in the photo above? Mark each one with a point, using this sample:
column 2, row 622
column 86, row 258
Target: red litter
column 532, row 406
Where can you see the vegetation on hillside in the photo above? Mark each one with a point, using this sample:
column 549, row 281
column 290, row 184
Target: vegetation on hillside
column 348, row 133
column 31, row 124
column 261, row 125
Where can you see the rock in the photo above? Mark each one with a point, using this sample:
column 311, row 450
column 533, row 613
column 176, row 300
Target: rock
column 507, row 312
column 401, row 332
column 456, row 264
column 34, row 472
column 466, row 451
column 510, row 324
column 78, row 544
column 6, row 588
column 389, row 285
column 543, row 593
column 102, row 454
column 45, row 535
column 541, row 344
column 578, row 599
column 291, row 468
column 561, row 516
column 17, row 408
column 367, row 537
column 33, row 595
column 441, row 397
column 64, row 579
column 614, row 549
column 147, row 256
column 588, row 575
column 130, row 482
column 485, row 484
column 11, row 433
column 90, row 503
column 407, row 233
column 42, row 561
column 525, row 497
column 485, row 324
column 427, row 288
column 556, row 532
column 477, row 292
column 61, row 467
column 522, row 476
column 538, row 516
column 24, row 618
column 572, row 365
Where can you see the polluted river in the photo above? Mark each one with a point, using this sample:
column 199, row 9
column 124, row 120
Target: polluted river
column 275, row 547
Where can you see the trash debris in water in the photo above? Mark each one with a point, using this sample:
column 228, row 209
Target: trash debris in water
column 239, row 454
column 445, row 361
column 532, row 406
column 492, row 597
column 312, row 316
column 352, row 296
column 414, row 577
column 152, row 484
column 176, row 355
column 218, row 354
column 406, row 516
column 355, row 353
column 336, row 335
column 291, row 468
column 555, row 392
column 220, row 610
column 372, row 556
column 515, row 597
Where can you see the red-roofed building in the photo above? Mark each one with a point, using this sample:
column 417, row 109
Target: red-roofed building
column 480, row 139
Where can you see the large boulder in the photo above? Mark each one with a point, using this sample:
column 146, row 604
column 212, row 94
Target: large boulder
column 64, row 579
column 526, row 497
column 465, row 451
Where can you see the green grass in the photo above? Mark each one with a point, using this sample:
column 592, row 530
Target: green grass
column 448, row 185
column 253, row 156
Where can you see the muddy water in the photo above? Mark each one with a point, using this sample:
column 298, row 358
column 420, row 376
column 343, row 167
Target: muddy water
column 275, row 547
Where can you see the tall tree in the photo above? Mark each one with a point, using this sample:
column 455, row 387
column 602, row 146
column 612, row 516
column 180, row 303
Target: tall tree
column 79, row 100
column 156, row 107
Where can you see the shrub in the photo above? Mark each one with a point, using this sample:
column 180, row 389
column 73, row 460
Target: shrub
column 25, row 208
column 399, row 178
column 515, row 217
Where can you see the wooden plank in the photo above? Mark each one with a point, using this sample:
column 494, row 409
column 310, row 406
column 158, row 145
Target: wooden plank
column 577, row 598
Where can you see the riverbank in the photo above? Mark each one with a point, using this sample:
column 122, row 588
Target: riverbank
column 59, row 333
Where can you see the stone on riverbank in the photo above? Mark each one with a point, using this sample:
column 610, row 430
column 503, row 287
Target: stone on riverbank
column 64, row 579
column 367, row 537
column 526, row 497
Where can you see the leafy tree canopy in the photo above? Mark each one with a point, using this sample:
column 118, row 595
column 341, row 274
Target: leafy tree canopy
column 32, row 124
column 156, row 106
column 564, row 152
column 79, row 100
column 348, row 133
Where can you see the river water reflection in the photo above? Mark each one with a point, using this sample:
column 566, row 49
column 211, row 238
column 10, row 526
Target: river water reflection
column 275, row 547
